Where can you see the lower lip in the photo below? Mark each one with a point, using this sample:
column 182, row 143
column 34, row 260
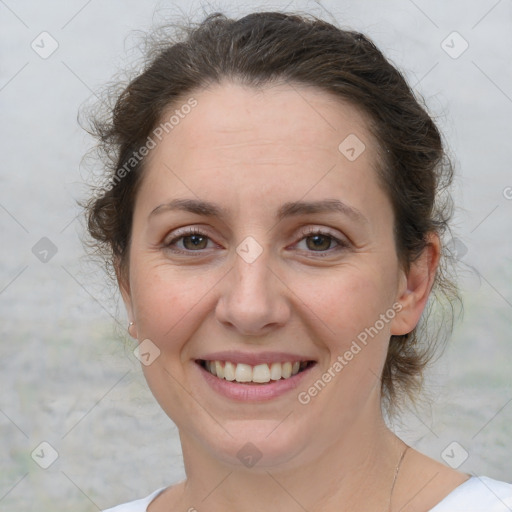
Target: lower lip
column 253, row 392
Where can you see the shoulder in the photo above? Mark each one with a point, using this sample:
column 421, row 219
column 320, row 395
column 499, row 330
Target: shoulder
column 137, row 505
column 479, row 493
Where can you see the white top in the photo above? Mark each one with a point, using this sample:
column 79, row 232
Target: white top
column 478, row 494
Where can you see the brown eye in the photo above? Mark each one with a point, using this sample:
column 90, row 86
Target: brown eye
column 188, row 241
column 195, row 242
column 319, row 242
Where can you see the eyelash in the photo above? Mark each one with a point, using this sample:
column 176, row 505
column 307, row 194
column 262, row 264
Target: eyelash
column 341, row 244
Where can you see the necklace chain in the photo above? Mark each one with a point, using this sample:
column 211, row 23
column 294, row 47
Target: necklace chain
column 397, row 470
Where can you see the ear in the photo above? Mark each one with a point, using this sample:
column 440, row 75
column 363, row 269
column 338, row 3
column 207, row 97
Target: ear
column 415, row 287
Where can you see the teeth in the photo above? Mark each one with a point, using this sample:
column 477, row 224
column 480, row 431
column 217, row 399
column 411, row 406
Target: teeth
column 261, row 373
column 229, row 371
column 243, row 373
column 286, row 370
column 275, row 371
column 219, row 369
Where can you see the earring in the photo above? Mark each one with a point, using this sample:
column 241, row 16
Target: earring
column 129, row 326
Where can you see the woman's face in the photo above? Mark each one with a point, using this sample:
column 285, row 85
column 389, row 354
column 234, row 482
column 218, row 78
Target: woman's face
column 260, row 237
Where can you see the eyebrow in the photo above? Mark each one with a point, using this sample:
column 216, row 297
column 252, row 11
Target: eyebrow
column 290, row 209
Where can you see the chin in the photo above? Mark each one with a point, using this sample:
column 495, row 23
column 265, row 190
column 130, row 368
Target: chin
column 257, row 445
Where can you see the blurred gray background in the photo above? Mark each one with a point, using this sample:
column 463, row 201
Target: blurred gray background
column 67, row 370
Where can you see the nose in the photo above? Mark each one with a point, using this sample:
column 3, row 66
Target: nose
column 253, row 299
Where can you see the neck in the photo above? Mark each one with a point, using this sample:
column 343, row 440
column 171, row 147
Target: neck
column 355, row 472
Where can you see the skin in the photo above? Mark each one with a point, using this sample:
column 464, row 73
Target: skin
column 250, row 151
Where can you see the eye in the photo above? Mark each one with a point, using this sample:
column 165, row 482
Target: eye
column 317, row 240
column 188, row 240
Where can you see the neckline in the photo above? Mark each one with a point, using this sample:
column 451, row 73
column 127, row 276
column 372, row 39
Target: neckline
column 153, row 496
column 453, row 491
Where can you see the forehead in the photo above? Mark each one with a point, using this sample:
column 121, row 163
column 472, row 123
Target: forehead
column 229, row 113
column 278, row 138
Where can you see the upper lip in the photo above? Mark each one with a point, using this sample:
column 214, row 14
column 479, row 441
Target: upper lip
column 254, row 359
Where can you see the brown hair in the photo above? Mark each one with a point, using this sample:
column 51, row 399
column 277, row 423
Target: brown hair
column 267, row 47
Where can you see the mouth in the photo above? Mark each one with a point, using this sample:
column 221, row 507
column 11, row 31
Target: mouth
column 259, row 374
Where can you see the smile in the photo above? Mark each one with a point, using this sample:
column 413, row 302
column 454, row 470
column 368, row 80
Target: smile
column 254, row 374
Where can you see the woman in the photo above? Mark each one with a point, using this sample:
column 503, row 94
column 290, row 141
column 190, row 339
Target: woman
column 273, row 217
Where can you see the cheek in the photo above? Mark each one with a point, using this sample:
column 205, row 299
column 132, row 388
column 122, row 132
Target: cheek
column 348, row 306
column 346, row 302
column 166, row 301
